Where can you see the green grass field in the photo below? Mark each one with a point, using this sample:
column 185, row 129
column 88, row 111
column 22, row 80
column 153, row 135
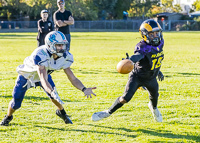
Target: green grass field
column 96, row 55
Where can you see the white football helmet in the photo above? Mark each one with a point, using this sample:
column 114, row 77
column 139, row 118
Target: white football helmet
column 56, row 37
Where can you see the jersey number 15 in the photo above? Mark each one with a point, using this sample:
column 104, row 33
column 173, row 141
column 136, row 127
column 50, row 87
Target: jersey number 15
column 156, row 63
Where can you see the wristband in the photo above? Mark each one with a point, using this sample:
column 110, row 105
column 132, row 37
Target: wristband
column 84, row 88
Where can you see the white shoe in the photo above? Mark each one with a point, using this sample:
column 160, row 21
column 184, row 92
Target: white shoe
column 156, row 113
column 100, row 115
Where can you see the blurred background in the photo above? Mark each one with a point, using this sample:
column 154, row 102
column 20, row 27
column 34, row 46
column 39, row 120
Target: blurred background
column 103, row 15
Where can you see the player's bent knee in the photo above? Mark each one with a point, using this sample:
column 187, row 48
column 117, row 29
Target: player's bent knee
column 155, row 96
column 122, row 100
column 15, row 104
column 15, row 107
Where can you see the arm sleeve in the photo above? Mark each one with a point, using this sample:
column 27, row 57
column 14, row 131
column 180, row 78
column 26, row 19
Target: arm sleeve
column 56, row 17
column 38, row 60
column 51, row 26
column 136, row 57
column 70, row 14
column 142, row 49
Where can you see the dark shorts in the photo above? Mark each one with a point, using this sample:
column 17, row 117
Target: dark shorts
column 41, row 40
column 134, row 82
column 21, row 88
column 40, row 43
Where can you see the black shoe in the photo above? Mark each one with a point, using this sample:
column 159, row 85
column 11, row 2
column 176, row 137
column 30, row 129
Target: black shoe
column 6, row 120
column 64, row 117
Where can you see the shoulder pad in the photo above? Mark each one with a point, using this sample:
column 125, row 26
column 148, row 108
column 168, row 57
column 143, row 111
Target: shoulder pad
column 39, row 55
column 142, row 48
column 70, row 57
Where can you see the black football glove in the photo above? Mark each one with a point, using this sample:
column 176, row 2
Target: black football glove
column 127, row 56
column 160, row 76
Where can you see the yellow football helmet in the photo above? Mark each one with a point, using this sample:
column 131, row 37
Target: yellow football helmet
column 149, row 26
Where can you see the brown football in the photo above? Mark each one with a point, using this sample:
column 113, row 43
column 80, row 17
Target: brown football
column 125, row 66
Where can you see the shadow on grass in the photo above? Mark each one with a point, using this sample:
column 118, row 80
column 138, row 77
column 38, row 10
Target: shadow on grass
column 160, row 142
column 124, row 129
column 161, row 133
column 90, row 72
column 35, row 98
column 175, row 74
column 188, row 123
column 17, row 124
column 99, row 72
column 11, row 125
column 86, row 131
column 168, row 134
column 188, row 74
column 103, row 71
column 167, row 75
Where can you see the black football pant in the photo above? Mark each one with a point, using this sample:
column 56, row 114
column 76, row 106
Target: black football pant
column 134, row 82
column 40, row 43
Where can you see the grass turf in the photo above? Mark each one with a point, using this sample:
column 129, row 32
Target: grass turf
column 96, row 55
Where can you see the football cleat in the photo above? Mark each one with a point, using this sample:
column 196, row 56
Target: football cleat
column 100, row 115
column 6, row 120
column 156, row 113
column 64, row 117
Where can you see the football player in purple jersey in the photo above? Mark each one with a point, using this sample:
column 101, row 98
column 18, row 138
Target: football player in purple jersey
column 147, row 58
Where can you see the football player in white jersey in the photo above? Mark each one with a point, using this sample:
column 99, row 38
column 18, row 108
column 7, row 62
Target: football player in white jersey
column 36, row 72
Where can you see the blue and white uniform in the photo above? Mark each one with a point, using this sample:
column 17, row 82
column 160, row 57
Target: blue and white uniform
column 28, row 76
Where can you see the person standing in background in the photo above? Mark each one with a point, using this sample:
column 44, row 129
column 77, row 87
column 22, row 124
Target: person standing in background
column 62, row 19
column 44, row 27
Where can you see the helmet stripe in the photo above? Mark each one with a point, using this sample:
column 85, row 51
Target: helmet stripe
column 159, row 25
column 63, row 37
column 147, row 27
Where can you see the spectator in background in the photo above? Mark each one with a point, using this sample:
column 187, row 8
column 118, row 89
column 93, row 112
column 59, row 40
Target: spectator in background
column 44, row 27
column 125, row 15
column 62, row 19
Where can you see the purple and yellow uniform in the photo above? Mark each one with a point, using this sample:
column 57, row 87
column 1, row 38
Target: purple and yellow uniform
column 149, row 66
column 147, row 59
column 148, row 55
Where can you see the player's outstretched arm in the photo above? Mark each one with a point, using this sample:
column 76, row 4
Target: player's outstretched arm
column 39, row 26
column 134, row 58
column 47, row 87
column 43, row 79
column 78, row 84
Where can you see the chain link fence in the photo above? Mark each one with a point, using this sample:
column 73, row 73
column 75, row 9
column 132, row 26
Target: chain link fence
column 107, row 25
